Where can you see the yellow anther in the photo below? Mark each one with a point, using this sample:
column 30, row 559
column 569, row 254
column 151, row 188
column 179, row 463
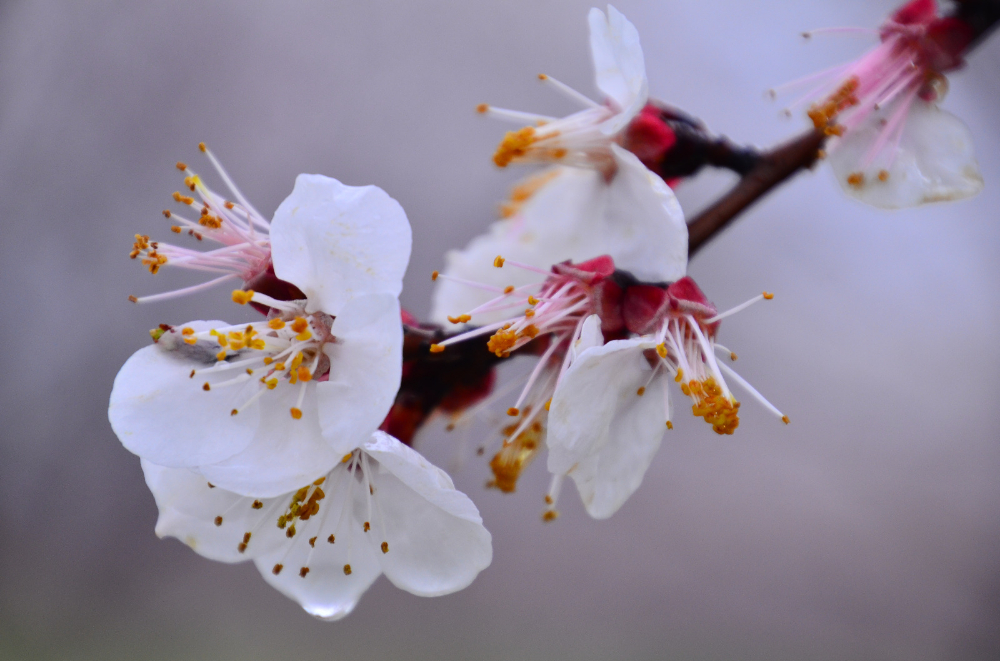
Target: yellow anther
column 187, row 331
column 385, row 547
column 436, row 348
column 460, row 319
column 304, row 374
column 661, row 349
column 529, row 313
column 191, row 340
column 508, row 289
column 530, row 330
column 276, row 324
column 181, row 166
column 856, row 179
column 514, row 145
column 513, row 411
column 532, row 300
column 733, row 356
column 183, row 199
column 303, row 336
column 767, row 295
column 300, row 324
column 482, row 107
column 268, row 360
column 279, row 366
column 257, row 344
column 221, row 355
column 242, row 297
column 680, row 375
column 434, row 275
column 883, row 175
column 641, row 391
column 550, row 515
column 498, row 261
column 234, row 412
column 548, row 404
column 175, row 229
column 202, row 147
column 346, row 457
column 785, row 419
column 670, row 425
column 296, row 413
column 347, row 570
column 271, row 383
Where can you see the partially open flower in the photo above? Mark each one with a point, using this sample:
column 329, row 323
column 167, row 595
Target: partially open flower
column 381, row 508
column 893, row 147
column 611, row 408
column 262, row 408
column 584, row 138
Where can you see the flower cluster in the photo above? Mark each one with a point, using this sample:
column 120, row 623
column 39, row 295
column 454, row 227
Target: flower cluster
column 287, row 440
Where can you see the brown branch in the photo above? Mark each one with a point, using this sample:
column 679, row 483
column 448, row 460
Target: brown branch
column 773, row 168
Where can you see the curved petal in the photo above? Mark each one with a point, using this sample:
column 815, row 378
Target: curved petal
column 336, row 242
column 436, row 540
column 211, row 520
column 162, row 414
column 602, row 432
column 619, row 65
column 366, row 363
column 575, row 215
column 326, row 591
column 285, row 453
column 934, row 161
column 590, row 336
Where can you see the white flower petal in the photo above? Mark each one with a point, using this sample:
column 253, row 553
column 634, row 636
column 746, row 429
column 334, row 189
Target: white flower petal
column 934, row 162
column 336, row 242
column 602, row 433
column 618, row 65
column 576, row 215
column 366, row 366
column 285, row 453
column 326, row 591
column 436, row 540
column 189, row 508
column 590, row 335
column 162, row 414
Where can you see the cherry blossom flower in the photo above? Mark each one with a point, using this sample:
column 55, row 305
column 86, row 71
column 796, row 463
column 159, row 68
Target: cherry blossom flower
column 893, row 146
column 611, row 408
column 600, row 199
column 550, row 316
column 382, row 508
column 262, row 408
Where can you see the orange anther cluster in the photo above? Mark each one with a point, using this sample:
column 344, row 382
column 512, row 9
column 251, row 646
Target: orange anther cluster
column 516, row 454
column 502, row 341
column 522, row 192
column 460, row 319
column 719, row 410
column 183, row 199
column 242, row 297
column 514, row 145
column 436, row 348
column 498, row 261
column 824, row 115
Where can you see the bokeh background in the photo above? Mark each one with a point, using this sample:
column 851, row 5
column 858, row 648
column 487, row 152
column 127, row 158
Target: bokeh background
column 868, row 528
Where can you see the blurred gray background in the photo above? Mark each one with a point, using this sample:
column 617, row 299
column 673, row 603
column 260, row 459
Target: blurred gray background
column 868, row 528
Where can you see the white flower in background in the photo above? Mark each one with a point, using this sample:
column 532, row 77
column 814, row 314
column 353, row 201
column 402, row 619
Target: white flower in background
column 600, row 200
column 611, row 407
column 893, row 147
column 263, row 408
column 244, row 235
column 382, row 508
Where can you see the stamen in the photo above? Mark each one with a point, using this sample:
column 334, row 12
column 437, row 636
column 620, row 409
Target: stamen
column 571, row 93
